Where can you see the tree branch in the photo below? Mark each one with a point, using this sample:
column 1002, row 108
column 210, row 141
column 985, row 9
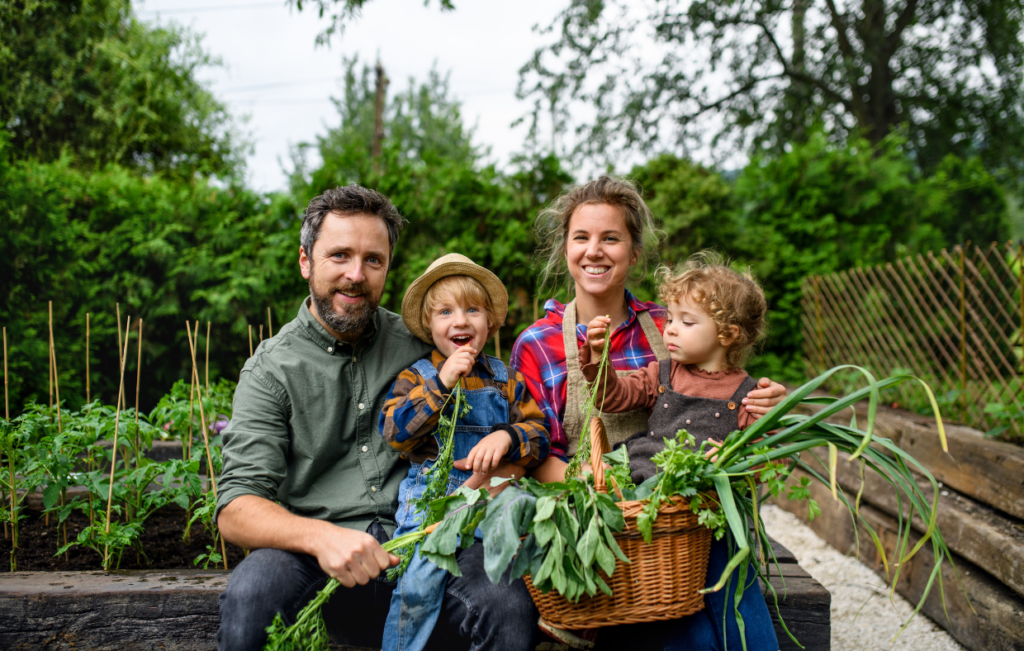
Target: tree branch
column 906, row 17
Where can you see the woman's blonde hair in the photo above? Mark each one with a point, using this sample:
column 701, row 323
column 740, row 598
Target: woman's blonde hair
column 461, row 289
column 553, row 222
column 729, row 297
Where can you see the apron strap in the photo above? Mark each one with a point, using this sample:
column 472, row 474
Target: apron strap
column 654, row 338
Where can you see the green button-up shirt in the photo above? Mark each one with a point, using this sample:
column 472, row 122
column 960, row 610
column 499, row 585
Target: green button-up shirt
column 304, row 426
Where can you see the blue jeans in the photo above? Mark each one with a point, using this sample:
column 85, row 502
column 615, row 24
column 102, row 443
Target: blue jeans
column 475, row 613
column 416, row 601
column 703, row 630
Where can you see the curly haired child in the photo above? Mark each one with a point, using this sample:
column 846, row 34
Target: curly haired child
column 716, row 315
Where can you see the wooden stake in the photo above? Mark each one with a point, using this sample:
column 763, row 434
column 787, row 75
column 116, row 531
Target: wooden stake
column 138, row 383
column 117, row 310
column 207, row 357
column 49, row 362
column 261, row 332
column 210, row 470
column 270, row 324
column 7, row 416
column 53, row 366
column 497, row 344
column 117, row 423
column 250, row 341
column 88, row 392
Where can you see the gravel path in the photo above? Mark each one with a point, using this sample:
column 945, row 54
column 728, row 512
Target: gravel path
column 863, row 617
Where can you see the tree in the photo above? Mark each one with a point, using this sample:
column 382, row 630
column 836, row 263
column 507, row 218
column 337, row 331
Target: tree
column 87, row 78
column 340, row 12
column 760, row 74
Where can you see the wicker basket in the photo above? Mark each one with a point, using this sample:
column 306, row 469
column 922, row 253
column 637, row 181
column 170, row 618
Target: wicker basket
column 660, row 583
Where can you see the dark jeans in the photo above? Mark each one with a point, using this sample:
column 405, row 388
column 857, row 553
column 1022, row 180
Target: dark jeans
column 476, row 614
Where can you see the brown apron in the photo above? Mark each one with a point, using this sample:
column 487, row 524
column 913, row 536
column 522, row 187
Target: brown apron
column 619, row 426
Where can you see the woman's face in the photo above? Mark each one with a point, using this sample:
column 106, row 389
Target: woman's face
column 599, row 250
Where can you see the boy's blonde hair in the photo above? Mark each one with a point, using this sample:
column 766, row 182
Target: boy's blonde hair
column 730, row 298
column 460, row 289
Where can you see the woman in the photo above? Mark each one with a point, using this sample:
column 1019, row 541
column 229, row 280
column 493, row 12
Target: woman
column 598, row 230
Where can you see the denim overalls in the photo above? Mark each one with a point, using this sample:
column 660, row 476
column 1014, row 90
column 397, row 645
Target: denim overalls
column 416, row 601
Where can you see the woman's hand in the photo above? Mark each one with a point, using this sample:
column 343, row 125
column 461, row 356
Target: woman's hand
column 761, row 400
column 596, row 331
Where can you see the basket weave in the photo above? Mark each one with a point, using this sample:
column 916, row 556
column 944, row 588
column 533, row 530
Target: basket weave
column 660, row 583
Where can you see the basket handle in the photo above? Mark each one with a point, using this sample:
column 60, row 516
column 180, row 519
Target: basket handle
column 598, row 446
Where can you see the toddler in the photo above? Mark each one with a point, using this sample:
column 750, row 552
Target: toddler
column 456, row 305
column 715, row 316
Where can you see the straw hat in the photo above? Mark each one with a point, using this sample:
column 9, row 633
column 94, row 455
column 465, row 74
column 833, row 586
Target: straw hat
column 452, row 264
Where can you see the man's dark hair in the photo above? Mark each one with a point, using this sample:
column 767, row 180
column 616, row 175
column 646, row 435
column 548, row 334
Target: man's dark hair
column 350, row 200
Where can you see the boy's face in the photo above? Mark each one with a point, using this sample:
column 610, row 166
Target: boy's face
column 690, row 335
column 453, row 325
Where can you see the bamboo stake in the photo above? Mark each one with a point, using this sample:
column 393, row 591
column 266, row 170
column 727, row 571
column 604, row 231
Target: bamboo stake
column 963, row 340
column 7, row 416
column 191, row 394
column 535, row 316
column 117, row 309
column 250, row 341
column 117, row 424
column 49, row 363
column 210, row 471
column 138, row 383
column 207, row 357
column 53, row 366
column 261, row 332
column 270, row 323
column 88, row 392
column 497, row 344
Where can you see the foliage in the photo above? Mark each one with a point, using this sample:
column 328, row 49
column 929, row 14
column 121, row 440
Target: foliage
column 90, row 80
column 435, row 175
column 165, row 250
column 343, row 11
column 764, row 74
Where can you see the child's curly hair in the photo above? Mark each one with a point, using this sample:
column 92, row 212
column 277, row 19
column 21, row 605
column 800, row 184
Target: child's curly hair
column 729, row 297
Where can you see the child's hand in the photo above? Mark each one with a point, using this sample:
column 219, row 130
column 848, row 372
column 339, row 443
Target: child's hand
column 596, row 331
column 457, row 365
column 713, row 449
column 488, row 453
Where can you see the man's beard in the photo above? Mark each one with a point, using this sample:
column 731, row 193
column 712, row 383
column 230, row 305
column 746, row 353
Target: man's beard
column 356, row 318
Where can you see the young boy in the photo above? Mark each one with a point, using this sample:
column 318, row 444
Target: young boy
column 457, row 306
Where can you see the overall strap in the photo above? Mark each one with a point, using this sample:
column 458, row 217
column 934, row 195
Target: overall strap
column 498, row 369
column 746, row 387
column 425, row 368
column 654, row 338
column 665, row 373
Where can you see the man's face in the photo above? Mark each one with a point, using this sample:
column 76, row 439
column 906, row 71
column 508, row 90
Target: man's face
column 346, row 272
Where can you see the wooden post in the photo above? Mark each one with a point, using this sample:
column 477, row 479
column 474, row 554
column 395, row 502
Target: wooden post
column 117, row 423
column 270, row 323
column 378, row 117
column 250, row 341
column 963, row 339
column 117, row 314
column 49, row 361
column 261, row 332
column 88, row 392
column 497, row 344
column 138, row 384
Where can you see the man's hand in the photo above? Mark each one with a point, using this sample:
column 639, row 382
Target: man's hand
column 351, row 557
column 488, row 453
column 596, row 331
column 761, row 400
column 459, row 364
column 483, row 480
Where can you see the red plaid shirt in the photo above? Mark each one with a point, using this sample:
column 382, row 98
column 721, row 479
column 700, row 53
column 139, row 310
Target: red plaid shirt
column 540, row 356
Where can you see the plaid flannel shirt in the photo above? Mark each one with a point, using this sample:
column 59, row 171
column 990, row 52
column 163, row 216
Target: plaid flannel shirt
column 410, row 413
column 540, row 356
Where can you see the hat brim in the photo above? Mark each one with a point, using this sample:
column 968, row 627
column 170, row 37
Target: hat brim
column 412, row 303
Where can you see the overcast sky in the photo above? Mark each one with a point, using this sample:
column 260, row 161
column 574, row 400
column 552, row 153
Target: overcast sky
column 274, row 72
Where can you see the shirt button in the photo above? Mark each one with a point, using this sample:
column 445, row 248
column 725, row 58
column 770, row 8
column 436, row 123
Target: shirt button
column 373, row 489
column 687, row 421
column 666, row 405
column 365, row 448
column 718, row 415
column 330, row 349
column 361, row 405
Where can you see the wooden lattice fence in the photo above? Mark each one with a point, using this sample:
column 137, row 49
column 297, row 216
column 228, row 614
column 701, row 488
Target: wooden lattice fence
column 954, row 318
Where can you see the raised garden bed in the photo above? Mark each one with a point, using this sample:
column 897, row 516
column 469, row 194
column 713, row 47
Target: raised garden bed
column 179, row 610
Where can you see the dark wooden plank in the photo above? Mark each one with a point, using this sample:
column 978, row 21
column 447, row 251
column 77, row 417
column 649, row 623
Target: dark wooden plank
column 996, row 622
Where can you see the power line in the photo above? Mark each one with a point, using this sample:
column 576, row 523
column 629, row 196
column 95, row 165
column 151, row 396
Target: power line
column 199, row 10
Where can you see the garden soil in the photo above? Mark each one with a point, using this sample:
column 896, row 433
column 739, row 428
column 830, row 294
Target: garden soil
column 161, row 540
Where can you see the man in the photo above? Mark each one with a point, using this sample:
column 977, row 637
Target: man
column 308, row 482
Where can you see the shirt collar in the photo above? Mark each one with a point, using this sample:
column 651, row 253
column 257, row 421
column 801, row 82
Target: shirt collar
column 321, row 337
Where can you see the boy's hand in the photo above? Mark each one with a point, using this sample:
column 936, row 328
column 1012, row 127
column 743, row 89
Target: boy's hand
column 457, row 365
column 488, row 453
column 596, row 331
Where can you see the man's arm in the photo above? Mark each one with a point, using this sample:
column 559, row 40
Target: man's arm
column 256, row 444
column 350, row 556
